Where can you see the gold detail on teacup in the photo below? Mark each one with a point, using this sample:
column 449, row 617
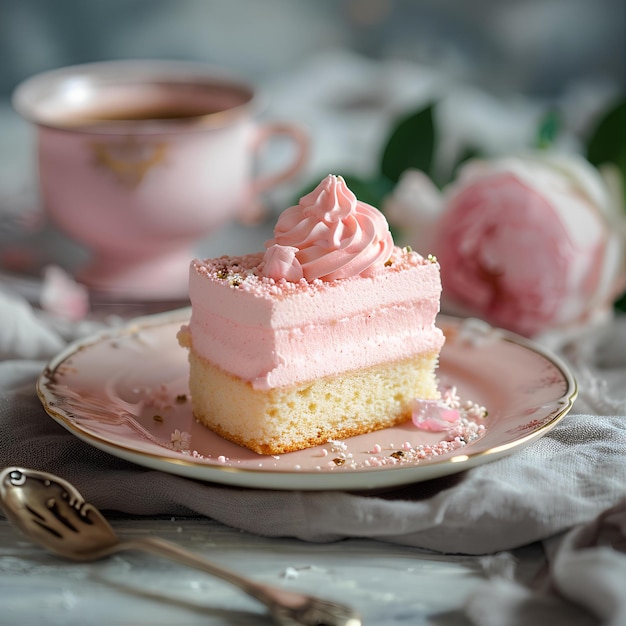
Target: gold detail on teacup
column 129, row 160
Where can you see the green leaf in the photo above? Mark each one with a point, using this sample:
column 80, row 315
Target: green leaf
column 469, row 152
column 548, row 130
column 371, row 190
column 410, row 145
column 608, row 140
column 620, row 304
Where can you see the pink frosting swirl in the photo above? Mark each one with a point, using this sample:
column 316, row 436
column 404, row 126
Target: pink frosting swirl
column 281, row 261
column 335, row 235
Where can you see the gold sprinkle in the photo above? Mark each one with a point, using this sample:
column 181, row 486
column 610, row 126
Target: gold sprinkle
column 181, row 398
column 338, row 461
column 222, row 273
column 432, row 258
column 398, row 454
column 157, row 418
column 388, row 263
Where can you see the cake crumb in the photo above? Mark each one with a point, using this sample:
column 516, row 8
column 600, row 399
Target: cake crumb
column 290, row 573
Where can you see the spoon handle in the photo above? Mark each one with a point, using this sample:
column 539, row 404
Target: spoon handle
column 287, row 607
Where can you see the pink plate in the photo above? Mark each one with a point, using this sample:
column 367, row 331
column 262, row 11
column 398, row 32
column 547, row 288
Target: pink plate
column 125, row 391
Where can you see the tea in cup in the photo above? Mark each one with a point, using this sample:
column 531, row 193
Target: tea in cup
column 138, row 160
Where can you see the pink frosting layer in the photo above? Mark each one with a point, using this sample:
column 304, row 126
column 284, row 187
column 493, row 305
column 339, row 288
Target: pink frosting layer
column 278, row 333
column 328, row 235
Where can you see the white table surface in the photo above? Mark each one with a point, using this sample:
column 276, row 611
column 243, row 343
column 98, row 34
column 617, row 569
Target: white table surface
column 388, row 584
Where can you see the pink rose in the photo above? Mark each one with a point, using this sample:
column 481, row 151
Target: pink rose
column 530, row 244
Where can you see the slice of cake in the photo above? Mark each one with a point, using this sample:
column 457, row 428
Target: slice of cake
column 328, row 334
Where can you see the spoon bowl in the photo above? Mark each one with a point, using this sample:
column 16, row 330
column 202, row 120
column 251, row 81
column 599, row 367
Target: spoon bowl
column 51, row 512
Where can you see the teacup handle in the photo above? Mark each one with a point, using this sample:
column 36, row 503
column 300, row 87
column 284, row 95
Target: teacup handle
column 260, row 184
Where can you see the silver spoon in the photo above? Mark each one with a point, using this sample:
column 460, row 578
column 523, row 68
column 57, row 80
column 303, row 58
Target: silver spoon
column 51, row 512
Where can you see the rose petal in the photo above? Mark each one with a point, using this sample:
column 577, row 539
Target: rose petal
column 433, row 415
column 62, row 295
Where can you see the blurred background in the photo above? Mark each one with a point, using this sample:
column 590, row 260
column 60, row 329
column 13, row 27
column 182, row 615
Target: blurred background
column 538, row 47
column 344, row 68
column 366, row 56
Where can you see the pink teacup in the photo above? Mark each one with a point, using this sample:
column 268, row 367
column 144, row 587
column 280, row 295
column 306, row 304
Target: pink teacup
column 138, row 160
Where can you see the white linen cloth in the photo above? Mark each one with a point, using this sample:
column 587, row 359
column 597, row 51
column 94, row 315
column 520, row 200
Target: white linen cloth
column 568, row 488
